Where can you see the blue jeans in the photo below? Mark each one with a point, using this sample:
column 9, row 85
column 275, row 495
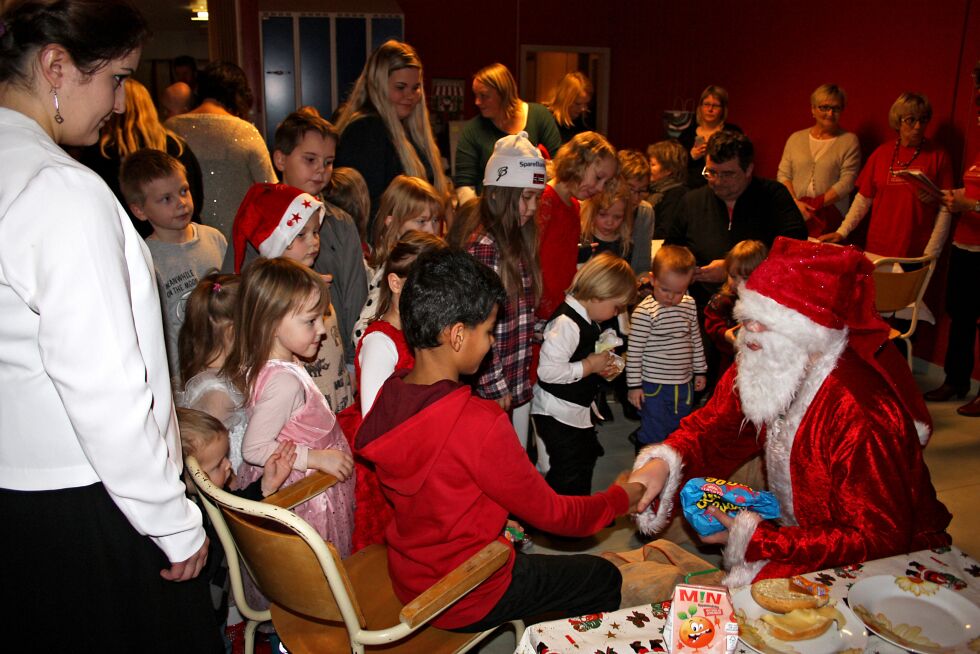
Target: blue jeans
column 663, row 407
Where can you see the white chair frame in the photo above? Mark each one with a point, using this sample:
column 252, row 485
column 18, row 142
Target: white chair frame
column 413, row 616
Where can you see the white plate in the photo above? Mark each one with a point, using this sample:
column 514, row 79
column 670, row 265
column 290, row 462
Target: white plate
column 850, row 635
column 918, row 615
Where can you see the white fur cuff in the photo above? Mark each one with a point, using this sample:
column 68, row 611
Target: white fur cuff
column 922, row 429
column 649, row 522
column 740, row 571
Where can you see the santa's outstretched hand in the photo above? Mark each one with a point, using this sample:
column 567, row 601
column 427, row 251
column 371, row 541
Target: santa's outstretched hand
column 654, row 476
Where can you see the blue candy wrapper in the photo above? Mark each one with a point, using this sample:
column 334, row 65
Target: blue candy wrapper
column 700, row 493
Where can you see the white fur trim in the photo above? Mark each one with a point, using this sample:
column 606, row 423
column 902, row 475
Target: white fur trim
column 649, row 522
column 922, row 429
column 297, row 214
column 776, row 317
column 740, row 571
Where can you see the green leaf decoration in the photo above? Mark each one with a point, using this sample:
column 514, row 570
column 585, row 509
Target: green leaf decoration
column 682, row 615
column 692, row 609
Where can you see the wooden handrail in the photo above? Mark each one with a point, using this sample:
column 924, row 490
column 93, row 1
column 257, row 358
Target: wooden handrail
column 310, row 486
column 457, row 583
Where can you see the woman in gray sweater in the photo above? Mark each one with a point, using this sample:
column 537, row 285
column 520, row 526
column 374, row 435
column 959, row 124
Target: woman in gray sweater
column 821, row 163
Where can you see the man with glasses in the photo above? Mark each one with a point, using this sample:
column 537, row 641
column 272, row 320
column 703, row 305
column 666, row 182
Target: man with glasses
column 733, row 207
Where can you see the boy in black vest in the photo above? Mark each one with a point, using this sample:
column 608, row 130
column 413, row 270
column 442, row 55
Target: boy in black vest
column 569, row 371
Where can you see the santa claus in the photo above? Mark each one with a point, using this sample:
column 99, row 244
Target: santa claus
column 814, row 390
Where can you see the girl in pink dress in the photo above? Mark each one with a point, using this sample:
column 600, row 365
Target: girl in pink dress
column 280, row 318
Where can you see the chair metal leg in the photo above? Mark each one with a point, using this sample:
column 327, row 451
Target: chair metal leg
column 516, row 625
column 251, row 626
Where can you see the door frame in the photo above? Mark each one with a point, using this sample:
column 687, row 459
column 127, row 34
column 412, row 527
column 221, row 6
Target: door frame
column 601, row 85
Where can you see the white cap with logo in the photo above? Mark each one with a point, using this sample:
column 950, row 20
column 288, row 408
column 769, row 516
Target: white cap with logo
column 515, row 163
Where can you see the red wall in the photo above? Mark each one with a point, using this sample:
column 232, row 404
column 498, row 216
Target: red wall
column 769, row 54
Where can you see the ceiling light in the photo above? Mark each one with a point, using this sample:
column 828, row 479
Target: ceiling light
column 199, row 10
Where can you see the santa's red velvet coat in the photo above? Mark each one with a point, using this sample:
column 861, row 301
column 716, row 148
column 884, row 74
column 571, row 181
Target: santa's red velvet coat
column 860, row 489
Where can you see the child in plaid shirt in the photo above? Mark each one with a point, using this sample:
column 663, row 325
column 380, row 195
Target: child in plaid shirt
column 499, row 232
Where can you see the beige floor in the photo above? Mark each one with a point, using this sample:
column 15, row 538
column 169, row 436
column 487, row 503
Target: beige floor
column 953, row 456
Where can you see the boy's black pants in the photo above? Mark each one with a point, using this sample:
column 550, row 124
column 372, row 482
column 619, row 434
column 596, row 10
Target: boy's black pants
column 553, row 586
column 572, row 454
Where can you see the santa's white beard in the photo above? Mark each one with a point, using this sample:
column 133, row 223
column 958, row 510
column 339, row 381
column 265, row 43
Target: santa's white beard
column 768, row 377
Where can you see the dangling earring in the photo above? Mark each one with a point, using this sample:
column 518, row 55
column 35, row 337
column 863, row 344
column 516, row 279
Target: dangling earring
column 57, row 108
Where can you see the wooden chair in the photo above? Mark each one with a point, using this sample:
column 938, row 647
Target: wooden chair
column 320, row 603
column 900, row 283
column 287, row 498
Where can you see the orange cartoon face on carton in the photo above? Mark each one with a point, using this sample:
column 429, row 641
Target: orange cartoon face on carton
column 701, row 621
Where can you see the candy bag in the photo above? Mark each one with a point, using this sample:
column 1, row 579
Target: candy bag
column 700, row 493
column 608, row 340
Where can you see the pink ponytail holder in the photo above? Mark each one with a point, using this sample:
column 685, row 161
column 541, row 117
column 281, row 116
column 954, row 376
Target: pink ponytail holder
column 216, row 287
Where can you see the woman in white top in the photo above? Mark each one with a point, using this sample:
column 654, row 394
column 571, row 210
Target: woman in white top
column 821, row 163
column 98, row 528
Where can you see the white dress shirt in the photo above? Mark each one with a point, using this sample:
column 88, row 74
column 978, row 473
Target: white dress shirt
column 561, row 337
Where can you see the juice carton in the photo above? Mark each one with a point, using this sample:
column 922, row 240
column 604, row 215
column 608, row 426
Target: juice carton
column 701, row 621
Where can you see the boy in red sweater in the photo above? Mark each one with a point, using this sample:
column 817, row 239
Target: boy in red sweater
column 453, row 469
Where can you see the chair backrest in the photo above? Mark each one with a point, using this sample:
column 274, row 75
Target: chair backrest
column 292, row 565
column 895, row 290
column 231, row 555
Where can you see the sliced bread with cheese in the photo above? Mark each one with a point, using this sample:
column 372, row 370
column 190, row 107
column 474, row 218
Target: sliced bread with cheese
column 802, row 624
column 778, row 596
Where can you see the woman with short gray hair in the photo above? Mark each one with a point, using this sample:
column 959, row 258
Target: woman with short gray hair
column 906, row 219
column 821, row 163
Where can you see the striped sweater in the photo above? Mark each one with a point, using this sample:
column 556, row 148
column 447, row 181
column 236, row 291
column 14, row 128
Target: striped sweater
column 665, row 344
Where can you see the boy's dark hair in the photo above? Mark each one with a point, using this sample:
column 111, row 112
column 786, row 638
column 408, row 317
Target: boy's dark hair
column 446, row 287
column 143, row 167
column 726, row 145
column 295, row 126
column 226, row 84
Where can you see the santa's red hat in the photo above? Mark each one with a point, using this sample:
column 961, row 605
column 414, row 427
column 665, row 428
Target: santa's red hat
column 829, row 284
column 832, row 287
column 270, row 217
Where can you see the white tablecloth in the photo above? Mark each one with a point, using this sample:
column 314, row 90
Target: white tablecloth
column 640, row 629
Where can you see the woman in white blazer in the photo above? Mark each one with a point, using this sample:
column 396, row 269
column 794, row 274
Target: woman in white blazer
column 101, row 547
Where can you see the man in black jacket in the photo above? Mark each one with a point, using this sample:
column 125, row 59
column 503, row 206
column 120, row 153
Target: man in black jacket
column 733, row 207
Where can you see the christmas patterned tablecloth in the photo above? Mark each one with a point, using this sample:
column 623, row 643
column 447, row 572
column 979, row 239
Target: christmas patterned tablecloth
column 639, row 629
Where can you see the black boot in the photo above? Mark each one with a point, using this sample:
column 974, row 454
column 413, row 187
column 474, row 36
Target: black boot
column 634, row 438
column 602, row 406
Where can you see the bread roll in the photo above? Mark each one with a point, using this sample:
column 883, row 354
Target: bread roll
column 776, row 595
column 802, row 624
